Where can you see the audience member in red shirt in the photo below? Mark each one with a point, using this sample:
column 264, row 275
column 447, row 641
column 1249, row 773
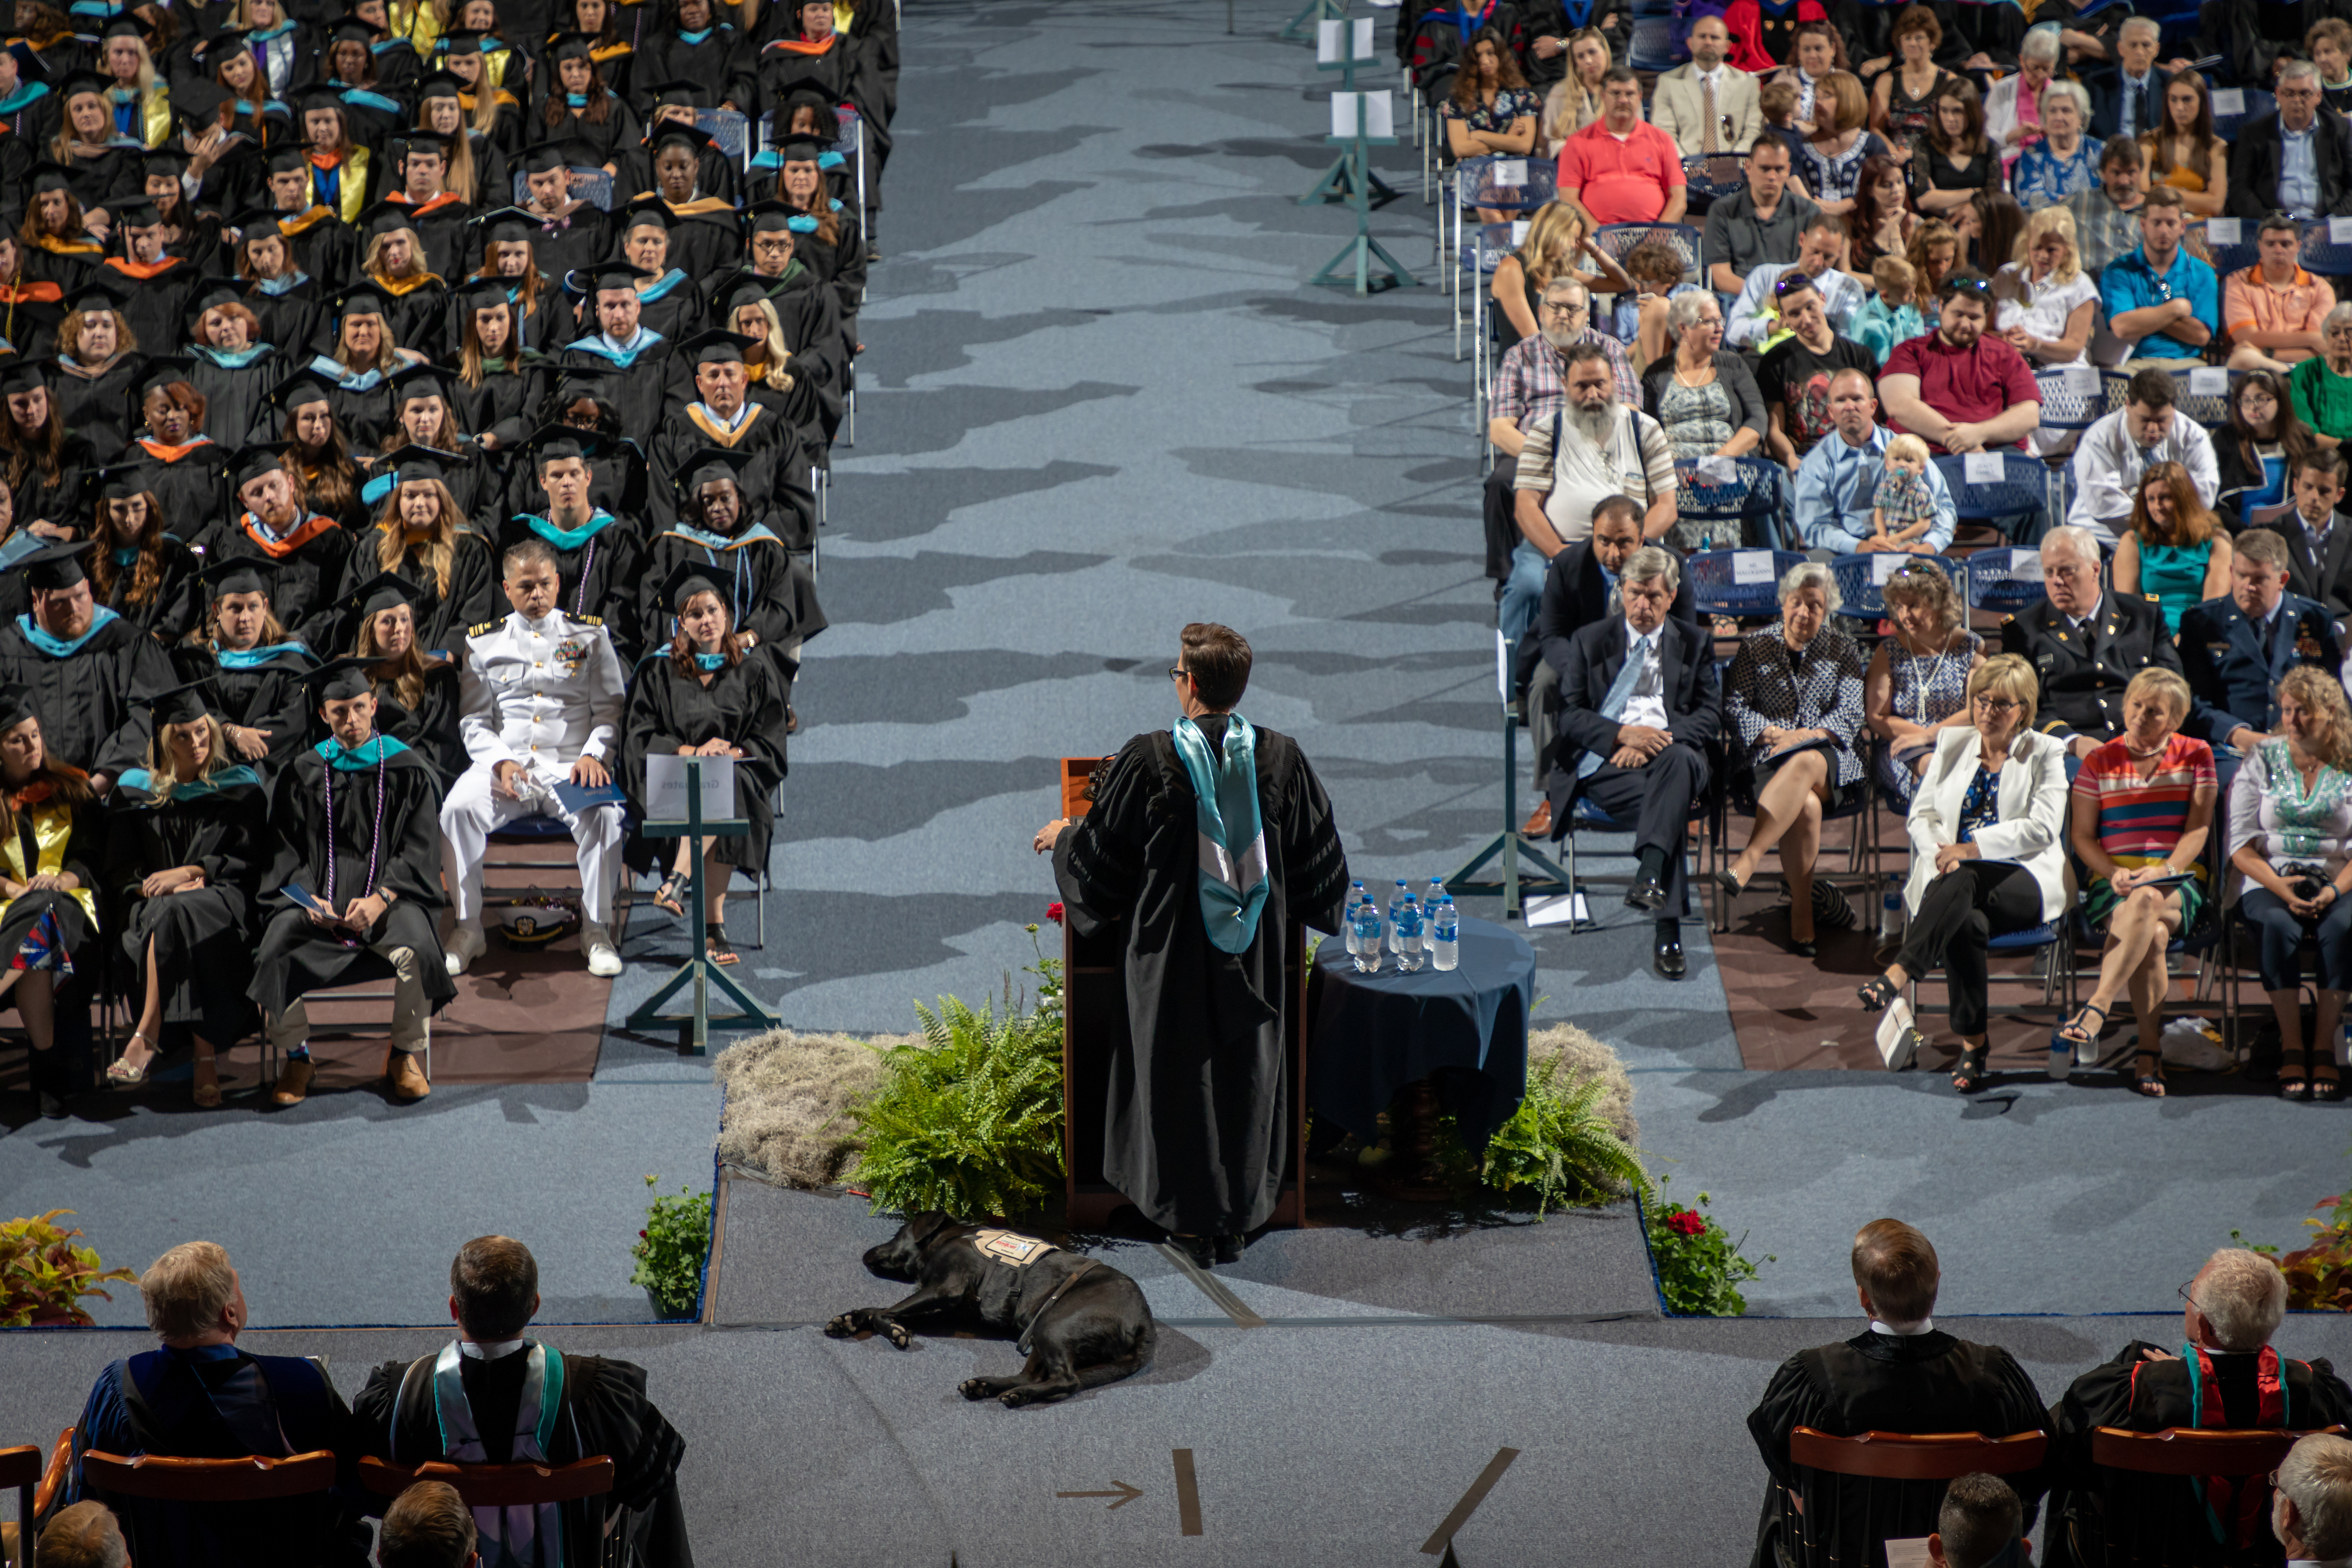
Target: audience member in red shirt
column 1957, row 388
column 1620, row 168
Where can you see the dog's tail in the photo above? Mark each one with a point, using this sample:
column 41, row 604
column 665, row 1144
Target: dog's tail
column 1138, row 1356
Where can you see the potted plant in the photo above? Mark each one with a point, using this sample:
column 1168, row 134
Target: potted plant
column 44, row 1276
column 670, row 1251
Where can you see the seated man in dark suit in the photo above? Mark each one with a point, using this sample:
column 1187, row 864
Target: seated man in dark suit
column 2084, row 644
column 2235, row 649
column 200, row 1397
column 1901, row 1375
column 493, row 1398
column 2226, row 1373
column 1638, row 705
column 2262, row 181
column 1576, row 588
column 2318, row 538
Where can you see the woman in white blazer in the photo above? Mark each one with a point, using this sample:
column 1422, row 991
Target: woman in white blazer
column 1988, row 830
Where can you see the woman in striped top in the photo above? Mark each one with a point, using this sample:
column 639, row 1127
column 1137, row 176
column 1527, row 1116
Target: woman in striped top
column 2143, row 807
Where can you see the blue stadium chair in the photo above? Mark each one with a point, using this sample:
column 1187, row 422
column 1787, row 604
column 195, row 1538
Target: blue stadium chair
column 1755, row 482
column 2004, row 581
column 729, row 129
column 1489, row 243
column 2323, row 255
column 1616, row 240
column 1657, row 43
column 1739, row 581
column 589, row 185
column 2066, row 403
column 2210, row 408
column 1860, row 579
column 2024, row 486
column 2236, row 258
column 2257, row 104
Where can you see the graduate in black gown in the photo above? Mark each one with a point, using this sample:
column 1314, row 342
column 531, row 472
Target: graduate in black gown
column 1901, row 1374
column 771, row 595
column 599, row 558
column 44, row 460
column 176, row 420
column 253, row 669
column 474, row 1402
column 99, row 369
column 2223, row 1372
column 1202, row 1153
column 89, row 669
column 421, row 535
column 357, row 823
column 184, row 846
column 52, row 841
column 139, row 570
column 310, row 550
column 415, row 687
column 707, row 695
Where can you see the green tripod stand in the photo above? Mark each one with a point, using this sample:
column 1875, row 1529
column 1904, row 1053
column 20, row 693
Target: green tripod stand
column 698, row 971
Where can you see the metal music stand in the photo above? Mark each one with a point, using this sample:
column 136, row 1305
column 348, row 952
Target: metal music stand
column 1363, row 257
column 698, row 969
column 1510, row 844
column 1336, row 50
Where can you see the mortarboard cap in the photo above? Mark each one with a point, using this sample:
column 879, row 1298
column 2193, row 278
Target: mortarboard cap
column 385, row 217
column 468, row 41
column 338, row 681
column 416, row 462
column 652, row 214
column 54, row 567
column 707, row 465
column 359, row 299
column 248, row 464
column 163, row 370
column 302, row 389
column 684, row 132
column 691, row 577
column 799, row 150
column 604, row 275
column 379, row 594
column 570, row 46
column 97, row 295
column 717, row 347
column 684, row 94
column 19, row 373
column 15, row 706
column 237, row 573
column 422, row 378
column 120, row 481
column 198, row 101
column 770, row 216
column 181, row 704
column 137, row 212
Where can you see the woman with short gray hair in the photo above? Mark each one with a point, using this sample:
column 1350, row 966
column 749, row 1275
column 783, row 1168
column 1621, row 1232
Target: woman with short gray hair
column 1703, row 397
column 2321, row 385
column 1794, row 694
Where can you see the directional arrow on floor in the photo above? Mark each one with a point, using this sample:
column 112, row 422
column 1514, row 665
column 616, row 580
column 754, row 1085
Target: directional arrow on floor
column 1125, row 1494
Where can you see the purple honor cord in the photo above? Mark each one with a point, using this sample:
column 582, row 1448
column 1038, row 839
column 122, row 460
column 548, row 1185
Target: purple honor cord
column 375, row 837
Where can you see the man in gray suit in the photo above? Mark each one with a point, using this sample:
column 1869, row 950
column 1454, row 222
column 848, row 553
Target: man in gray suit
column 1680, row 100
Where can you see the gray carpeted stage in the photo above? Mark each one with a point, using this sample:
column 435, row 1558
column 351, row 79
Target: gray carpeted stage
column 1099, row 401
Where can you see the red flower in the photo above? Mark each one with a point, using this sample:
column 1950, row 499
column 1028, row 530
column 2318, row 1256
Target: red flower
column 641, row 1235
column 1054, row 914
column 1690, row 1222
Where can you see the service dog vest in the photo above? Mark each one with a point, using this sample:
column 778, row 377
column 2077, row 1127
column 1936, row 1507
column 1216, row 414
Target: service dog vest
column 1011, row 1246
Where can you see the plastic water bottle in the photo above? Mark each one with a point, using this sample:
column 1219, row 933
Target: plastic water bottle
column 1397, row 901
column 1433, row 895
column 1357, row 896
column 1408, row 930
column 1445, row 937
column 1890, row 918
column 1364, row 937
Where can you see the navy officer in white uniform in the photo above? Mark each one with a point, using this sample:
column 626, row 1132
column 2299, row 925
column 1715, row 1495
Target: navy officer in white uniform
column 539, row 695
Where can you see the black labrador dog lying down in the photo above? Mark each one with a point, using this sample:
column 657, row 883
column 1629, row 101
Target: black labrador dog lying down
column 1080, row 1323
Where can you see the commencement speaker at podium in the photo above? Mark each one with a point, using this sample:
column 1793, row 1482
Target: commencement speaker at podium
column 1206, row 840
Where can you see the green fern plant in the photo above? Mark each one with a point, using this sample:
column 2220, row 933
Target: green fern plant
column 969, row 1119
column 1555, row 1146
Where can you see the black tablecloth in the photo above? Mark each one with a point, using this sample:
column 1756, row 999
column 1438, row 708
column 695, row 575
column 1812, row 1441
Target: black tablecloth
column 1370, row 1035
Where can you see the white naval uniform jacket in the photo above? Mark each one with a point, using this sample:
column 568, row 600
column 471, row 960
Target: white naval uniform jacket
column 542, row 693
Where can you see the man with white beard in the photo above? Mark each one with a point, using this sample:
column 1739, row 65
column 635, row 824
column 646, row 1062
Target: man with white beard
column 1595, row 447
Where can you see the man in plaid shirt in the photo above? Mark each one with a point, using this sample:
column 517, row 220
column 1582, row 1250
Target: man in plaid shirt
column 1530, row 386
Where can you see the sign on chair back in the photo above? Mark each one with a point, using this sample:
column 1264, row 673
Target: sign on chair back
column 20, row 1468
column 2175, row 1498
column 176, row 1510
column 1858, row 1493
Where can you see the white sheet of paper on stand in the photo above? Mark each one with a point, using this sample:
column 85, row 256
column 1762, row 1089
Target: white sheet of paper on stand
column 1751, row 566
column 1343, row 113
column 1362, row 28
column 1719, row 471
column 1508, row 172
column 2210, row 381
column 2223, row 231
column 666, row 793
column 2339, row 231
column 2081, row 378
column 1379, row 114
column 1326, row 42
column 1886, row 563
column 1503, row 668
column 1519, row 227
column 1559, row 910
column 2229, row 101
column 1983, row 468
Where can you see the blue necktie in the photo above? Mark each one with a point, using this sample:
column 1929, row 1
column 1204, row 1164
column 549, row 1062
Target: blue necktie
column 1620, row 691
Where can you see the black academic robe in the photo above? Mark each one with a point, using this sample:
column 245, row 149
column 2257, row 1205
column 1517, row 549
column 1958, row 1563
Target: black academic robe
column 2140, row 1394
column 811, row 320
column 605, row 1410
column 441, row 617
column 744, row 705
column 429, row 729
column 303, row 590
column 89, row 700
column 325, row 248
column 673, row 307
column 59, row 499
column 402, row 797
column 770, row 589
column 98, row 407
column 668, row 57
column 156, row 305
column 600, row 577
column 578, row 238
column 192, row 483
column 507, row 404
column 776, row 472
column 267, row 696
column 654, row 376
column 1199, row 1150
column 441, row 228
column 1924, row 1383
column 619, row 479
column 170, row 608
column 289, row 321
column 418, row 318
column 203, row 937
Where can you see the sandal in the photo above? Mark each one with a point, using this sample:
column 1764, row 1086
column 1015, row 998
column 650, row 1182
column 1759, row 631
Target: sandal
column 1969, row 1074
column 1876, row 996
column 2068, row 1040
column 2151, row 1082
column 2329, row 1088
column 715, row 947
column 1830, row 908
column 120, row 1073
column 207, row 1092
column 665, row 895
column 2294, row 1083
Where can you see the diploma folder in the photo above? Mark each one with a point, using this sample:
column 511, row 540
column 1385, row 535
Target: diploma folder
column 577, row 799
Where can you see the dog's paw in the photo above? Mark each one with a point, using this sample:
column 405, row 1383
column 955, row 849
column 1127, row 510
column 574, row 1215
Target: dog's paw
column 1014, row 1398
column 841, row 1328
column 977, row 1387
column 898, row 1336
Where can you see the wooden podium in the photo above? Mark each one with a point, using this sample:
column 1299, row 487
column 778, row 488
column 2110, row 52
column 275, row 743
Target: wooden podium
column 1094, row 1026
